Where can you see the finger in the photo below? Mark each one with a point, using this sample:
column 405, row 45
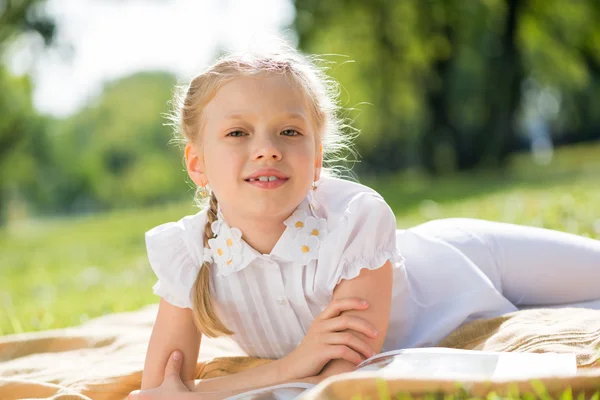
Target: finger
column 173, row 367
column 133, row 395
column 343, row 352
column 348, row 339
column 337, row 306
column 191, row 384
column 351, row 322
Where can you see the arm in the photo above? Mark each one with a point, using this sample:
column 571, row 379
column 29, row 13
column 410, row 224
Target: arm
column 173, row 329
column 375, row 286
column 172, row 387
column 222, row 390
column 253, row 378
column 324, row 342
column 228, row 393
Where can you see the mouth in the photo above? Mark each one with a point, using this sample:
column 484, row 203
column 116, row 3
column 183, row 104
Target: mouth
column 267, row 179
column 266, row 175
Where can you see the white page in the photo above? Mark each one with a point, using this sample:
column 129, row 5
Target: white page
column 534, row 365
column 443, row 363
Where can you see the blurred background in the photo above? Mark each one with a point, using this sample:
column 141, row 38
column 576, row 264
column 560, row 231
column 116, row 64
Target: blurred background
column 478, row 108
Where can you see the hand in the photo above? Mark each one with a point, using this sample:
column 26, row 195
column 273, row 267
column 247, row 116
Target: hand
column 326, row 340
column 172, row 386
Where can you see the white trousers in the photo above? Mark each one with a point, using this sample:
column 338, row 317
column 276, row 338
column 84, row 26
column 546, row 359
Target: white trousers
column 530, row 266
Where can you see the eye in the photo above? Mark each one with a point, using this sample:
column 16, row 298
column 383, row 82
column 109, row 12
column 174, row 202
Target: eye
column 290, row 132
column 236, row 134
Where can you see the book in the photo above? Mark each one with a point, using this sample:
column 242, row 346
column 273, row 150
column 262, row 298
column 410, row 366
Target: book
column 441, row 363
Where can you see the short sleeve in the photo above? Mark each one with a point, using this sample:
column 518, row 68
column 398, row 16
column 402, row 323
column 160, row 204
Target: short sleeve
column 365, row 238
column 175, row 259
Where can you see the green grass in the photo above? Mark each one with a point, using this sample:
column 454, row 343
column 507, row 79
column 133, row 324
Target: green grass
column 60, row 272
column 537, row 391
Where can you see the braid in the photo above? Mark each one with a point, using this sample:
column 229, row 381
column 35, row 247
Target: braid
column 205, row 317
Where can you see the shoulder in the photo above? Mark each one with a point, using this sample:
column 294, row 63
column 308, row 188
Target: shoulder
column 186, row 233
column 362, row 233
column 340, row 200
column 355, row 213
column 188, row 223
column 176, row 253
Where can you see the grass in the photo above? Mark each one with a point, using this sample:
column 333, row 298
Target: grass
column 537, row 391
column 61, row 272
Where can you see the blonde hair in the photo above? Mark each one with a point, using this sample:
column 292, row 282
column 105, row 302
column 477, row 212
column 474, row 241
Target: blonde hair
column 186, row 119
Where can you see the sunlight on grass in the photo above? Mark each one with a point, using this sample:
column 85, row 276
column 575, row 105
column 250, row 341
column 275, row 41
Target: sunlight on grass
column 537, row 392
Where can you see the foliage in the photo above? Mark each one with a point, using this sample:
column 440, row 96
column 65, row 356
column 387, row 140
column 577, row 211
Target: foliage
column 21, row 135
column 19, row 125
column 24, row 16
column 115, row 153
column 459, row 84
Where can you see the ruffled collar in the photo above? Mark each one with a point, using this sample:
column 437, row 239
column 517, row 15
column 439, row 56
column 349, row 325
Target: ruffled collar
column 300, row 241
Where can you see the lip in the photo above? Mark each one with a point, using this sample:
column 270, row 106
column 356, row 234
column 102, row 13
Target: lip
column 267, row 172
column 268, row 184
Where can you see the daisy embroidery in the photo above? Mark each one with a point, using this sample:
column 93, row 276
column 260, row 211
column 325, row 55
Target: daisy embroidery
column 308, row 231
column 226, row 248
column 302, row 223
column 296, row 220
column 307, row 248
column 314, row 227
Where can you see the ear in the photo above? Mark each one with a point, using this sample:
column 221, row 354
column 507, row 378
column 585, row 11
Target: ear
column 194, row 162
column 318, row 162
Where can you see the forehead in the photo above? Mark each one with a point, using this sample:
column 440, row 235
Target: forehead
column 258, row 96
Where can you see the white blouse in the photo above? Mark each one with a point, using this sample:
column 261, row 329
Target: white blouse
column 270, row 300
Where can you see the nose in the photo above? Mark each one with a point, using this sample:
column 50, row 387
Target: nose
column 267, row 149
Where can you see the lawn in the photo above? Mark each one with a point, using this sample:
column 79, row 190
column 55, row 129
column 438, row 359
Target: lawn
column 60, row 272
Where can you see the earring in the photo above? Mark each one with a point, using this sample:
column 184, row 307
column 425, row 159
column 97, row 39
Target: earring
column 312, row 202
column 202, row 192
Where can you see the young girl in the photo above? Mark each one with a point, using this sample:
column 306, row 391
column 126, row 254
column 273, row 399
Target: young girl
column 309, row 270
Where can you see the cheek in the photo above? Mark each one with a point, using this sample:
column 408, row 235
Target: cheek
column 223, row 161
column 305, row 150
column 213, row 161
column 304, row 160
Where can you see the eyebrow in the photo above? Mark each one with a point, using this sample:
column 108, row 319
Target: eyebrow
column 287, row 115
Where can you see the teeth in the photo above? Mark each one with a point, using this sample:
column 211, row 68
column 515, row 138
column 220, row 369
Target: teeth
column 264, row 179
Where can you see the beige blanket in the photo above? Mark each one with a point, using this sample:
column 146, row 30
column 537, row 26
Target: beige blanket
column 561, row 330
column 103, row 358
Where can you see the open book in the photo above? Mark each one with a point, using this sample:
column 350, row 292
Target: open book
column 442, row 363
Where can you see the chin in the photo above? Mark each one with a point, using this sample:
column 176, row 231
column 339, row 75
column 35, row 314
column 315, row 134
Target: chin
column 270, row 208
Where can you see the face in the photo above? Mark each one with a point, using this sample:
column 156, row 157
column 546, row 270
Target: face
column 258, row 148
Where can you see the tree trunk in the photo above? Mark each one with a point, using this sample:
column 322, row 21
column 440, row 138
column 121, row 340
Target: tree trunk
column 499, row 136
column 390, row 145
column 441, row 128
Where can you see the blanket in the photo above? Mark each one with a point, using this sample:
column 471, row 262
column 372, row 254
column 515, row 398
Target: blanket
column 558, row 330
column 103, row 358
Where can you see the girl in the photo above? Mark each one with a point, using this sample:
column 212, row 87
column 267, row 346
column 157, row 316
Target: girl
column 307, row 269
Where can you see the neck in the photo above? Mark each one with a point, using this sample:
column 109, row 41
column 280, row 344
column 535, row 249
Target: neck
column 260, row 233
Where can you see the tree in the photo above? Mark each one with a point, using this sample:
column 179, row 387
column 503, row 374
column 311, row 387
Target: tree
column 115, row 152
column 19, row 125
column 16, row 18
column 448, row 74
